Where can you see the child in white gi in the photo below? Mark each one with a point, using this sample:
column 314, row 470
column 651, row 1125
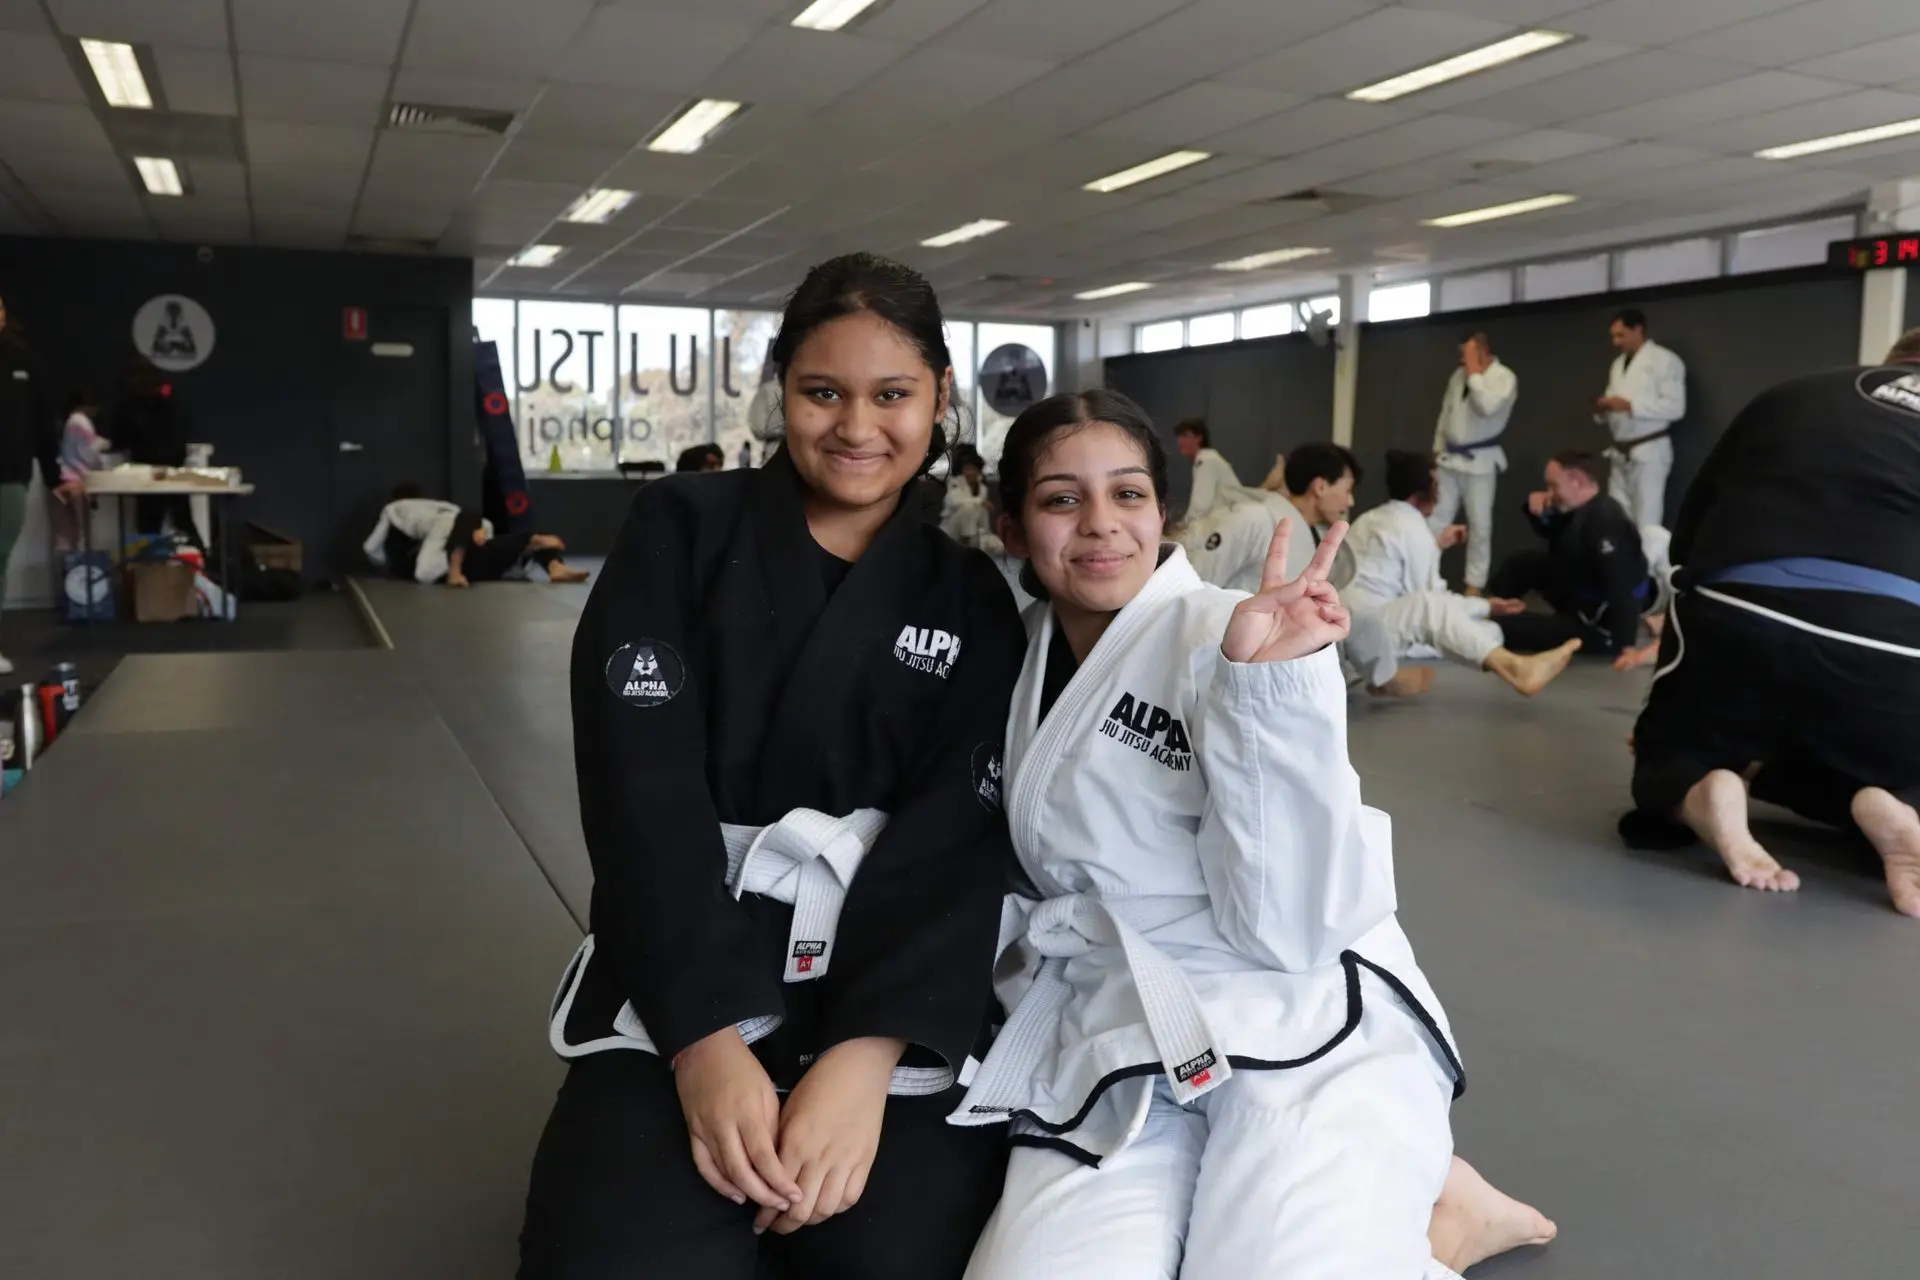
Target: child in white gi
column 1222, row 1060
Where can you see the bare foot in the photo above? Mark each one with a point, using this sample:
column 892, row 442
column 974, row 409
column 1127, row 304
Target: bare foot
column 1631, row 658
column 1716, row 809
column 1407, row 682
column 1475, row 1221
column 560, row 573
column 1530, row 674
column 545, row 542
column 1894, row 829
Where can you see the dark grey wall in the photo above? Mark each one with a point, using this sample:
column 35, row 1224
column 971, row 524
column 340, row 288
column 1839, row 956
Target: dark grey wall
column 1259, row 398
column 1738, row 337
column 587, row 513
column 269, row 397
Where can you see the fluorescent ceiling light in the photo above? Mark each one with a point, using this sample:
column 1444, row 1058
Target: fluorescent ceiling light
column 598, row 205
column 1113, row 291
column 537, row 255
column 118, row 72
column 831, row 15
column 1858, row 138
column 1465, row 64
column 692, row 127
column 1151, row 169
column 960, row 235
column 1272, row 258
column 160, row 175
column 1493, row 211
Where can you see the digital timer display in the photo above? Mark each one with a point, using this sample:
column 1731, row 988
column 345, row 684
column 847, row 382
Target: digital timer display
column 1874, row 252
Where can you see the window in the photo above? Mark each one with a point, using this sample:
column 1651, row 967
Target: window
column 1653, row 264
column 1482, row 289
column 746, row 400
column 1166, row 335
column 1328, row 306
column 966, row 372
column 1798, row 244
column 666, row 381
column 1401, row 302
column 1565, row 278
column 564, row 374
column 1267, row 322
column 1001, row 374
column 1206, row 330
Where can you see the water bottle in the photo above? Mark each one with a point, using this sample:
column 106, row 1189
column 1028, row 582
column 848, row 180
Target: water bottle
column 67, row 676
column 28, row 730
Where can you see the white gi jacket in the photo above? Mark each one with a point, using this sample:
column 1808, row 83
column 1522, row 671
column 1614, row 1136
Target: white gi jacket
column 1474, row 410
column 966, row 517
column 1655, row 383
column 428, row 521
column 1211, row 473
column 1229, row 548
column 1394, row 555
column 1197, row 836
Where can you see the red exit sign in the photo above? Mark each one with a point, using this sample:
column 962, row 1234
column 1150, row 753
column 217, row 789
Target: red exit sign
column 1899, row 250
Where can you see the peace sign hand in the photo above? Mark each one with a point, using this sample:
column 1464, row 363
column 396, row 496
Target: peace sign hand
column 1288, row 620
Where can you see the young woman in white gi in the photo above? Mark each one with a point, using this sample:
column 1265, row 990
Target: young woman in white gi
column 1222, row 1060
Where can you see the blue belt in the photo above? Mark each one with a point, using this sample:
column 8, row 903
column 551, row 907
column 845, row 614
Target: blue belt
column 1811, row 573
column 1468, row 450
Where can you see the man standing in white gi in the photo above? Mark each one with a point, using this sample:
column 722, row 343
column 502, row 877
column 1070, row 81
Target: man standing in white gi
column 1397, row 584
column 1473, row 416
column 1646, row 395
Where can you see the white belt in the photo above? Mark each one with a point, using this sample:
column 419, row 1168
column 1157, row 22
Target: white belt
column 808, row 859
column 1063, row 928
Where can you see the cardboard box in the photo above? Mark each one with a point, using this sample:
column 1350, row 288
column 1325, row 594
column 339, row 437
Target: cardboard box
column 272, row 549
column 164, row 592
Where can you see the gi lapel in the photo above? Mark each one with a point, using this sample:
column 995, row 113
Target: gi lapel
column 1173, row 579
column 789, row 565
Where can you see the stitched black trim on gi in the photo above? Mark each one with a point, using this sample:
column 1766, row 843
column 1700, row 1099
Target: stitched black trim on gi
column 1061, row 1145
column 1427, row 1020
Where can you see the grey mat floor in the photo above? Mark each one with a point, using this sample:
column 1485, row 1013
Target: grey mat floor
column 1694, row 1080
column 273, row 973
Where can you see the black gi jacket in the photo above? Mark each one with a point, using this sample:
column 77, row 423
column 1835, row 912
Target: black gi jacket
column 29, row 426
column 781, row 697
column 1598, row 566
column 1826, row 465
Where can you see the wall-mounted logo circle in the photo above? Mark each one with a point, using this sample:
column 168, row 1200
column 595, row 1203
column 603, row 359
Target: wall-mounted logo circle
column 495, row 404
column 646, row 673
column 1013, row 378
column 517, row 503
column 174, row 332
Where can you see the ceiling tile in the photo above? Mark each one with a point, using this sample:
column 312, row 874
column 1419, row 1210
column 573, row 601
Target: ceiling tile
column 1593, row 173
column 594, row 115
column 1518, row 12
column 35, row 67
column 362, row 31
column 944, row 81
column 298, row 91
column 673, row 241
column 807, row 68
column 1379, row 45
column 303, row 186
column 535, row 160
column 197, row 80
column 666, row 52
column 1803, row 32
column 1210, row 37
column 1610, row 86
column 658, row 173
column 274, row 143
column 731, row 10
column 1658, row 22
column 43, row 126
column 1884, row 62
column 1797, row 124
column 1549, row 65
column 1401, row 143
column 202, row 23
column 1056, row 30
column 433, row 156
column 914, row 23
column 513, row 40
column 1197, row 111
column 1748, row 95
column 1256, row 182
column 23, row 16
column 1077, row 96
column 720, row 216
column 1316, row 124
column 50, row 168
column 457, row 89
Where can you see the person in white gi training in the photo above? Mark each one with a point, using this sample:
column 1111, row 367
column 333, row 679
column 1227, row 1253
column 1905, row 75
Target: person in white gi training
column 1397, row 581
column 1314, row 491
column 1646, row 395
column 1211, row 470
column 1223, row 1062
column 1473, row 416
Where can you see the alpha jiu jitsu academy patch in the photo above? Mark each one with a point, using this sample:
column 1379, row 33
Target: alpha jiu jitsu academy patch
column 1150, row 730
column 927, row 649
column 1891, row 389
column 646, row 673
column 986, row 776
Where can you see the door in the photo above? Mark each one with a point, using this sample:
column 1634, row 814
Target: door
column 389, row 423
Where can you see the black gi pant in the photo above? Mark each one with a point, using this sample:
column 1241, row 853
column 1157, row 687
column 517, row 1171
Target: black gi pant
column 1533, row 571
column 498, row 556
column 615, row 1196
column 1823, row 717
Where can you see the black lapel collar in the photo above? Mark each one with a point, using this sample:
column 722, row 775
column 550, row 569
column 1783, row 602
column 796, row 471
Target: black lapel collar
column 795, row 592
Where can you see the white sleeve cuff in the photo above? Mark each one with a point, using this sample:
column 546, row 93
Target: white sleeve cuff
column 1314, row 676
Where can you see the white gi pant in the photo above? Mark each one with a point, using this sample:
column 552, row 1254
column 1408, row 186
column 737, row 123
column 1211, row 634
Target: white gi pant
column 1455, row 625
column 1640, row 480
column 1327, row 1171
column 1475, row 492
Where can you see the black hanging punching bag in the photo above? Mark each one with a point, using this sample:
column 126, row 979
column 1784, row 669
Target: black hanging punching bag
column 503, row 490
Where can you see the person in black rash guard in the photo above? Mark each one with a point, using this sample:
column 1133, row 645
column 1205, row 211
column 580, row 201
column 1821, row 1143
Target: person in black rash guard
column 1791, row 657
column 1593, row 574
column 789, row 701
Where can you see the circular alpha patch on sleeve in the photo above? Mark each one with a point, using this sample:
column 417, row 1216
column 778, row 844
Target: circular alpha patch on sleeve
column 987, row 775
column 645, row 673
column 1213, row 543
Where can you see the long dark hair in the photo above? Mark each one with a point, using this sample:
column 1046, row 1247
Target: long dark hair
column 1040, row 425
column 898, row 294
